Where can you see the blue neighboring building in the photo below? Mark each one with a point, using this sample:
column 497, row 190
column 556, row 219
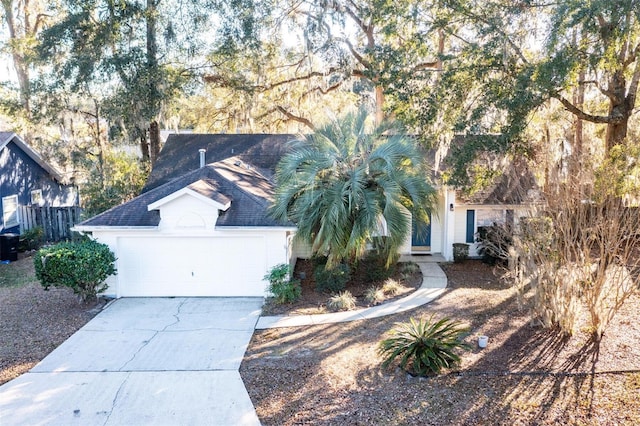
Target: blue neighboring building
column 27, row 180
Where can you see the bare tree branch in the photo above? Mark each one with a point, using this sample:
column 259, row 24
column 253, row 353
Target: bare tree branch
column 604, row 119
column 290, row 116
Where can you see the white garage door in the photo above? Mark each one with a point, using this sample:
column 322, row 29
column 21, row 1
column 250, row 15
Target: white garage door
column 191, row 266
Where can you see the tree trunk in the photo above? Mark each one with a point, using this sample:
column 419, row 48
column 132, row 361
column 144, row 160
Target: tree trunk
column 144, row 145
column 154, row 141
column 19, row 63
column 153, row 73
column 578, row 134
column 619, row 111
column 379, row 104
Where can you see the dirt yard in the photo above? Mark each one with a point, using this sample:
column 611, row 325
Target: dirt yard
column 331, row 374
column 33, row 322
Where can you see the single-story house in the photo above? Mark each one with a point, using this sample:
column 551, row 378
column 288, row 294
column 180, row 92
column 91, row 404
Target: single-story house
column 200, row 227
column 27, row 180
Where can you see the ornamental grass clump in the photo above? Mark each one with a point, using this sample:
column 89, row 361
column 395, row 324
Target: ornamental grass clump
column 392, row 287
column 343, row 301
column 424, row 347
column 374, row 296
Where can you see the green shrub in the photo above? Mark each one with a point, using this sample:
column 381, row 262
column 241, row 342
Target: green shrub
column 332, row 280
column 374, row 295
column 343, row 301
column 283, row 288
column 460, row 252
column 82, row 266
column 409, row 268
column 375, row 267
column 424, row 347
column 31, row 239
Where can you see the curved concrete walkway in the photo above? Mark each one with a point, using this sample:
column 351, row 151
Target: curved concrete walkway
column 434, row 283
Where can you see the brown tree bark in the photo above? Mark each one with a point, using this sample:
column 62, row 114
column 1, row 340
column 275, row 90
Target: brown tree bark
column 154, row 141
column 19, row 61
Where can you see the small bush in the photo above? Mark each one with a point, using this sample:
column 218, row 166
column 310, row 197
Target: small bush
column 332, row 280
column 392, row 287
column 83, row 267
column 343, row 301
column 424, row 347
column 460, row 252
column 283, row 288
column 409, row 268
column 375, row 267
column 374, row 295
column 31, row 239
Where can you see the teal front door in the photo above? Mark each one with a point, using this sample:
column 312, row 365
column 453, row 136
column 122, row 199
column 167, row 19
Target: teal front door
column 421, row 236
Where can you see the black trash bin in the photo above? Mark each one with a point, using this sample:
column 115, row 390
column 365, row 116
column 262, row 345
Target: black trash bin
column 9, row 247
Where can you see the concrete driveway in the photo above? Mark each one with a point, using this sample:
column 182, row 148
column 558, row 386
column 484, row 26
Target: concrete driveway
column 155, row 361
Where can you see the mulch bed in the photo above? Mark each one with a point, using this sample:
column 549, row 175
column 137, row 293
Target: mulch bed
column 331, row 374
column 313, row 301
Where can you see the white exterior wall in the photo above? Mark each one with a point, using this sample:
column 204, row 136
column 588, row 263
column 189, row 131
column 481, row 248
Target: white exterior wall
column 187, row 212
column 460, row 221
column 438, row 227
column 187, row 255
column 273, row 250
column 300, row 250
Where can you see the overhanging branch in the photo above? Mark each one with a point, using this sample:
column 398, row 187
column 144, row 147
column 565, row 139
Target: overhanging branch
column 603, row 119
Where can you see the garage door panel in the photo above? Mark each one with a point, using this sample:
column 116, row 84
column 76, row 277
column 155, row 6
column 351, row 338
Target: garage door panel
column 179, row 266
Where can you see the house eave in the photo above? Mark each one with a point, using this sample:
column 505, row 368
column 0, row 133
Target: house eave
column 33, row 155
column 256, row 228
column 90, row 228
column 186, row 191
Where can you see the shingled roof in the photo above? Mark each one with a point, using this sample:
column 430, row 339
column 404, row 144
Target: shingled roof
column 231, row 179
column 180, row 153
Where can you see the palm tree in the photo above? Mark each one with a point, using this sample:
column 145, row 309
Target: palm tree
column 346, row 187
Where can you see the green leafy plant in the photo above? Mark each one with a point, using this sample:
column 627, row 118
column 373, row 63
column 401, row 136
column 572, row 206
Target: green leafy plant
column 332, row 280
column 349, row 185
column 343, row 301
column 375, row 268
column 424, row 347
column 31, row 239
column 460, row 252
column 283, row 288
column 81, row 266
column 409, row 268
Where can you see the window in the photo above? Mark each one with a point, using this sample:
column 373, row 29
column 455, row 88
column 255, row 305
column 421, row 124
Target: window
column 36, row 197
column 10, row 211
column 490, row 217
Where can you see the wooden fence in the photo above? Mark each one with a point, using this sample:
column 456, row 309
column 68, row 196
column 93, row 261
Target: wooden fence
column 56, row 222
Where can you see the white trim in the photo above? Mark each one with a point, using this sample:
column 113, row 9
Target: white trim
column 186, row 191
column 39, row 201
column 10, row 199
column 90, row 228
column 256, row 228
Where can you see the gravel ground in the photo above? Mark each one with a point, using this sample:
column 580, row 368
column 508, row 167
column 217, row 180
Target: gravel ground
column 331, row 374
column 33, row 322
